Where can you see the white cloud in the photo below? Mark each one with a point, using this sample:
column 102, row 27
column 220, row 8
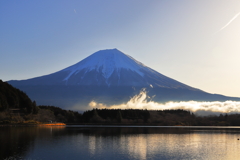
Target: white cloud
column 200, row 108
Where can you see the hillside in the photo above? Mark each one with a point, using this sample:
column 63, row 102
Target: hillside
column 12, row 98
column 17, row 107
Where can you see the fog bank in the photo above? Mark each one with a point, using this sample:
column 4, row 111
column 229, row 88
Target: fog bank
column 142, row 101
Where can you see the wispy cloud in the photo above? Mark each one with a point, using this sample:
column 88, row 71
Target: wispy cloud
column 229, row 22
column 200, row 108
column 75, row 11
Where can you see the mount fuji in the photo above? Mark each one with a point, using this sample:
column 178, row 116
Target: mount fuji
column 111, row 77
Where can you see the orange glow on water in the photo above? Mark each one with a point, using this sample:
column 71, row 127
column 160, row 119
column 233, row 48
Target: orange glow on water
column 53, row 124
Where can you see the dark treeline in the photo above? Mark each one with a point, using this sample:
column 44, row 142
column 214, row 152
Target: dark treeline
column 138, row 116
column 61, row 115
column 115, row 115
column 157, row 117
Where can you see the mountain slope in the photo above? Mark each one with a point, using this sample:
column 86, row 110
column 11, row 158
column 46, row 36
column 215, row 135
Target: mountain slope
column 108, row 76
column 106, row 68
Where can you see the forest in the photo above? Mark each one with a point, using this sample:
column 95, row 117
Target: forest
column 17, row 108
column 157, row 117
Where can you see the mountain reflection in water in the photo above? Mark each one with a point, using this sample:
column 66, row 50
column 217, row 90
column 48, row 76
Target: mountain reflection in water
column 142, row 143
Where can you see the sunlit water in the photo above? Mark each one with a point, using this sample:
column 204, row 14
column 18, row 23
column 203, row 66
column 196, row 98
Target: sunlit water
column 139, row 143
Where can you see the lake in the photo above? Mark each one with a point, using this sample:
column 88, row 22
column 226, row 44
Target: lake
column 116, row 143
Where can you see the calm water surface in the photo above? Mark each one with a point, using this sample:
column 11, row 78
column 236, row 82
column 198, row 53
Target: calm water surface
column 115, row 143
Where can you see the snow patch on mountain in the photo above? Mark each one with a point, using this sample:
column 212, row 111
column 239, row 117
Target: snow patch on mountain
column 106, row 62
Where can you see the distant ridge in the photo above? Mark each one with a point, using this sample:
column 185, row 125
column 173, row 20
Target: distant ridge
column 109, row 76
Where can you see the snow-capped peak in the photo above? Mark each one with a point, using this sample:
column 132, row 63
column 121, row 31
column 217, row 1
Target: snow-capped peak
column 109, row 68
column 105, row 62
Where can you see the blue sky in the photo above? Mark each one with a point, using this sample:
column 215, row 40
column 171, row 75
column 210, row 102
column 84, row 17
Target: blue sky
column 194, row 42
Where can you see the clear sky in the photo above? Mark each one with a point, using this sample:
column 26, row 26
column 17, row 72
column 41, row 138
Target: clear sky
column 194, row 42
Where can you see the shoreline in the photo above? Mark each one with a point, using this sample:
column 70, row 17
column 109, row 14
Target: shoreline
column 33, row 124
column 107, row 125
